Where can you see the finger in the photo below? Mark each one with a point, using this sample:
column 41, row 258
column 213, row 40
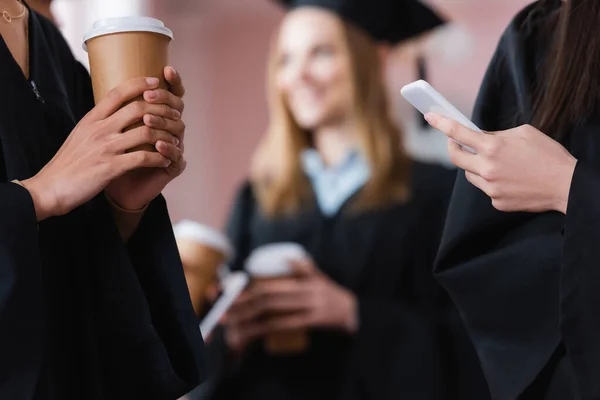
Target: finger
column 238, row 337
column 169, row 150
column 279, row 287
column 304, row 268
column 478, row 182
column 177, row 127
column 456, row 131
column 464, row 159
column 175, row 82
column 135, row 112
column 161, row 96
column 288, row 322
column 239, row 307
column 285, row 305
column 274, row 297
column 138, row 137
column 277, row 305
column 120, row 95
column 140, row 159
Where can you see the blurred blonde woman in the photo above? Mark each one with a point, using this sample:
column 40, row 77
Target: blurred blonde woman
column 332, row 176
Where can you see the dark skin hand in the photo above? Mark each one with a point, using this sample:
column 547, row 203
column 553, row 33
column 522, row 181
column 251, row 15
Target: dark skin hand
column 308, row 299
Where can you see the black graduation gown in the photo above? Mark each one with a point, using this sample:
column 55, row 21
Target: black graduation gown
column 580, row 322
column 503, row 270
column 82, row 315
column 385, row 257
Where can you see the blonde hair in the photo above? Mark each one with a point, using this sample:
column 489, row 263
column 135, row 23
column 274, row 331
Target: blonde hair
column 276, row 172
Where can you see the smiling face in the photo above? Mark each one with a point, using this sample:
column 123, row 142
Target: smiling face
column 314, row 75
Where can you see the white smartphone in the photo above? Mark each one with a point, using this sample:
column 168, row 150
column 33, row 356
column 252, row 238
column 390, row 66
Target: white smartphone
column 233, row 285
column 426, row 99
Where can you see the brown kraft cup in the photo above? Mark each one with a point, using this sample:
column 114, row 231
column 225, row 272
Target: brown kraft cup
column 120, row 49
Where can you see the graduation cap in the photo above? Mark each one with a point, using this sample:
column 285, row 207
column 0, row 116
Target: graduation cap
column 390, row 21
column 387, row 21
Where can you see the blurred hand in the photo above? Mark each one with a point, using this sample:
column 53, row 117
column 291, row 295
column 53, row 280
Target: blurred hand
column 134, row 190
column 307, row 300
column 95, row 152
column 212, row 292
column 520, row 169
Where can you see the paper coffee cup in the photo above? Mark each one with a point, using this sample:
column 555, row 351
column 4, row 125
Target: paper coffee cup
column 120, row 49
column 203, row 251
column 269, row 263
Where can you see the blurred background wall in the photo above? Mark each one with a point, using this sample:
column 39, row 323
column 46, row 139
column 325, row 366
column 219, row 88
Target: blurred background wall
column 221, row 49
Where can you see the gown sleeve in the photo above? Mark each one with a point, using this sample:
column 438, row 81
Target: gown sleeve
column 580, row 322
column 21, row 315
column 149, row 338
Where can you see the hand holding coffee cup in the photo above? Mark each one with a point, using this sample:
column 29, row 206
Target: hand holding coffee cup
column 203, row 251
column 95, row 153
column 123, row 48
column 288, row 296
column 269, row 266
column 128, row 47
column 324, row 304
column 134, row 190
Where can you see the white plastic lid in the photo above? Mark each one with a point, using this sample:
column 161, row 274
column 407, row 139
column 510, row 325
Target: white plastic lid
column 273, row 260
column 109, row 26
column 205, row 235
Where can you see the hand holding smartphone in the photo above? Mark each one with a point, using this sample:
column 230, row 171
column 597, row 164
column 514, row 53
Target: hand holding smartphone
column 428, row 100
column 233, row 286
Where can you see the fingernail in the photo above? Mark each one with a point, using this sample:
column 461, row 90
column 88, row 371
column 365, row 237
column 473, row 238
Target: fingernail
column 167, row 163
column 176, row 114
column 150, row 119
column 429, row 117
column 173, row 70
column 176, row 142
column 152, row 94
column 152, row 81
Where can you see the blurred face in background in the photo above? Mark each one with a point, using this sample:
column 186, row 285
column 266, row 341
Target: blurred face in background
column 43, row 7
column 314, row 75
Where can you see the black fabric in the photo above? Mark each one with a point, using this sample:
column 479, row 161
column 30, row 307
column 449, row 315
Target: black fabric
column 580, row 276
column 82, row 316
column 503, row 270
column 385, row 257
column 385, row 20
column 556, row 381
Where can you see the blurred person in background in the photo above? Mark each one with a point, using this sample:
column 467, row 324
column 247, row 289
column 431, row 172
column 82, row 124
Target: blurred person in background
column 93, row 302
column 331, row 175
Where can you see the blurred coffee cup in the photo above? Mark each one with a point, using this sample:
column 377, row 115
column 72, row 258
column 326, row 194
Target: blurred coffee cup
column 270, row 263
column 203, row 251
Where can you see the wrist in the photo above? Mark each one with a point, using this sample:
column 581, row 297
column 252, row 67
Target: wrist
column 563, row 186
column 125, row 209
column 43, row 202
